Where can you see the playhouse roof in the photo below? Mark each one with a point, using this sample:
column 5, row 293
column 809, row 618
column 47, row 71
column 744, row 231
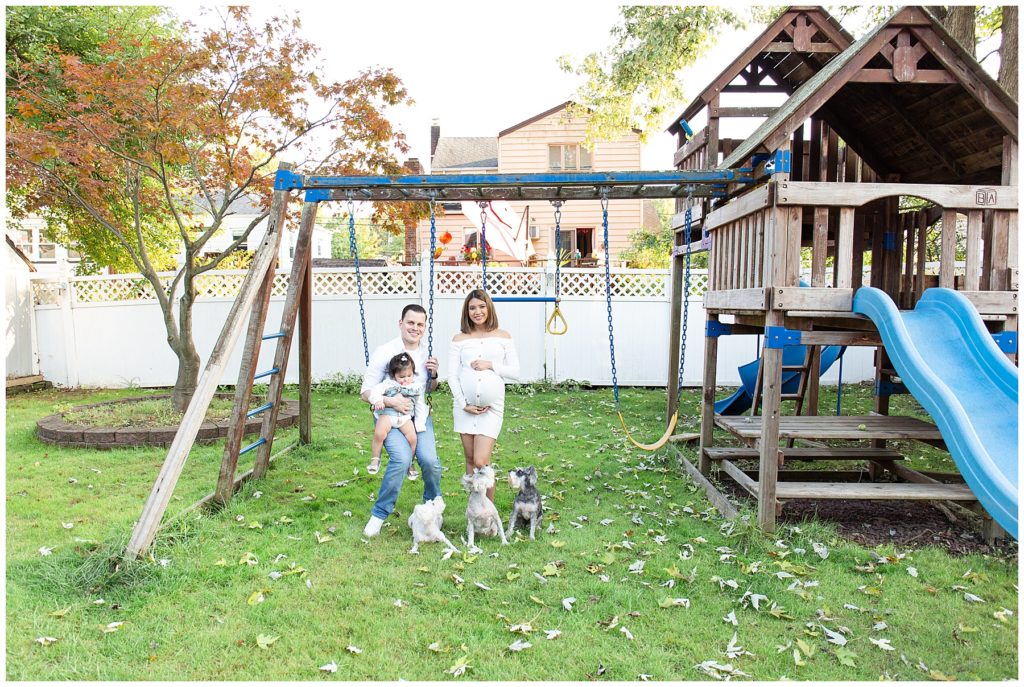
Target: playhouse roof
column 800, row 41
column 944, row 123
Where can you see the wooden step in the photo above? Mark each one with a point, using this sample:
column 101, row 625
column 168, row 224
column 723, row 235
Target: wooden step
column 23, row 381
column 803, row 453
column 879, row 491
column 833, row 427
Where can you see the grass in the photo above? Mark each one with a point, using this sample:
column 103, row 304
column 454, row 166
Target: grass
column 156, row 412
column 187, row 615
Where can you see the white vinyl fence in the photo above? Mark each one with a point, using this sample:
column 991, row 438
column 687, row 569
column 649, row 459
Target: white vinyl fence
column 108, row 331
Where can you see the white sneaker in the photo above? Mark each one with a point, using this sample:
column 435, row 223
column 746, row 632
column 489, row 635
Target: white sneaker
column 372, row 528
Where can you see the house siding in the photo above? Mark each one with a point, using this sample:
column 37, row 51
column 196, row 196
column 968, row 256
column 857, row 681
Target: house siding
column 524, row 150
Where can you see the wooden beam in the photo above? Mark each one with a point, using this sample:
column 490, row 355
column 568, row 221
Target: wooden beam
column 794, row 298
column 306, row 357
column 740, row 299
column 160, row 495
column 757, row 199
column 697, row 141
column 675, row 322
column 972, row 278
column 819, row 246
column 856, row 195
column 707, row 417
column 947, row 256
column 741, row 477
column 745, row 111
column 717, row 498
column 993, row 302
column 810, row 48
column 843, row 264
column 924, row 76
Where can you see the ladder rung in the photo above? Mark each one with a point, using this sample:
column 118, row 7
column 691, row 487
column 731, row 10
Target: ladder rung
column 257, row 411
column 269, row 372
column 791, row 397
column 259, row 442
column 790, row 368
column 276, row 335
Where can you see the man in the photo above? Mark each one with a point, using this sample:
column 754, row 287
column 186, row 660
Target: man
column 410, row 328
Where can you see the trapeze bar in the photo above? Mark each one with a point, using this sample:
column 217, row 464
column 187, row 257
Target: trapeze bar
column 566, row 186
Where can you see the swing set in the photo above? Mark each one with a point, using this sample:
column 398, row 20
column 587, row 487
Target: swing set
column 251, row 306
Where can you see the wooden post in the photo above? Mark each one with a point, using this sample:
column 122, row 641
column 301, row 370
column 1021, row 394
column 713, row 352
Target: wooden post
column 843, row 264
column 922, row 255
column 819, row 246
column 306, row 356
column 972, row 280
column 160, row 495
column 303, row 254
column 948, row 253
column 243, row 390
column 857, row 275
column 907, row 286
column 997, row 269
column 813, row 382
column 771, row 362
column 675, row 326
column 707, row 412
column 712, row 128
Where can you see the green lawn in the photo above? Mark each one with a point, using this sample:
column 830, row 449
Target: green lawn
column 661, row 584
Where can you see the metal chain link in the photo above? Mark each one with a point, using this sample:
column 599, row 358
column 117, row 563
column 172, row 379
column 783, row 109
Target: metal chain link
column 483, row 240
column 359, row 280
column 558, row 249
column 687, row 237
column 430, row 292
column 608, row 295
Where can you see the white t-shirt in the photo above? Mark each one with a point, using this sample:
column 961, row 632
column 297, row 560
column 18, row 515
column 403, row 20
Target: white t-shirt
column 377, row 370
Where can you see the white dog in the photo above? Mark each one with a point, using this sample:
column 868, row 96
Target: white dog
column 425, row 522
column 481, row 513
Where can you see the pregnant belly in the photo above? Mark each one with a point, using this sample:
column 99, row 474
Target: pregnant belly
column 482, row 388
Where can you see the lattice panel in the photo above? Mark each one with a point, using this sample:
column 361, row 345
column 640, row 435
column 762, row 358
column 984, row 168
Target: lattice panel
column 116, row 288
column 46, row 292
column 500, row 282
column 623, row 285
column 343, row 283
column 218, row 284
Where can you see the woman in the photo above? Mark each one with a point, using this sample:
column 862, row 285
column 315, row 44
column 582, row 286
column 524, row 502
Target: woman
column 482, row 359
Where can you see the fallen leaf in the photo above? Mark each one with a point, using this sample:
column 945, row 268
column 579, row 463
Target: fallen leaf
column 353, row 649
column 731, row 618
column 46, row 641
column 460, row 667
column 834, row 637
column 113, row 627
column 882, row 644
column 264, row 641
column 258, row 597
column 669, row 602
column 568, row 602
column 846, row 657
column 552, row 634
column 322, row 539
column 629, row 635
column 45, row 550
column 519, row 645
column 331, row 667
column 61, row 613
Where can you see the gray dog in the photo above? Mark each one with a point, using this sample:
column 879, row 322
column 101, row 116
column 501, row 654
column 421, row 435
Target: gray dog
column 527, row 506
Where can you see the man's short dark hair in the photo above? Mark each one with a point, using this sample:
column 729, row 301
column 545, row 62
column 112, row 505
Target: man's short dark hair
column 414, row 307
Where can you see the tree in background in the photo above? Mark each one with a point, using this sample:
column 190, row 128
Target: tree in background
column 138, row 141
column 653, row 249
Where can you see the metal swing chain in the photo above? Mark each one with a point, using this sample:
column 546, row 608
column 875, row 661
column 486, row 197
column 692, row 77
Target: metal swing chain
column 687, row 237
column 430, row 292
column 556, row 324
column 354, row 250
column 608, row 295
column 483, row 240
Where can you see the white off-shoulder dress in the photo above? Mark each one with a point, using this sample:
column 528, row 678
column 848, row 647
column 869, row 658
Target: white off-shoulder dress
column 481, row 387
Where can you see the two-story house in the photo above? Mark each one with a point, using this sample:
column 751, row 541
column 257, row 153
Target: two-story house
column 544, row 143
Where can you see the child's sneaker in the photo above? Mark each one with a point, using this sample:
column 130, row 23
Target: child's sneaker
column 412, row 474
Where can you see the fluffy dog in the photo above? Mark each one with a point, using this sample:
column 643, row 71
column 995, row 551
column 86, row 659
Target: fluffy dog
column 425, row 522
column 527, row 507
column 481, row 514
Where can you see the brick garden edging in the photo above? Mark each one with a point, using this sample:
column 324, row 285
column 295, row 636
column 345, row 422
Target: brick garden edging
column 52, row 429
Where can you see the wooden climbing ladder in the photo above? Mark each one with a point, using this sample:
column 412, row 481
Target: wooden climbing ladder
column 253, row 300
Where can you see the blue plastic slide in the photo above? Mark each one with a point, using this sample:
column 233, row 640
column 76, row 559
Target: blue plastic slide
column 740, row 401
column 948, row 360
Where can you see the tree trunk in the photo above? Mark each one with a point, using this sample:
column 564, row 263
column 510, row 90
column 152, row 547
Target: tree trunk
column 959, row 22
column 1008, row 51
column 188, row 357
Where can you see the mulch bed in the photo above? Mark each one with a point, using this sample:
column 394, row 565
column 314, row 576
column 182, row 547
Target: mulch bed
column 903, row 524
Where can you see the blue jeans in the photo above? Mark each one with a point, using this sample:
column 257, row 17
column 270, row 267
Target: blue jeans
column 399, row 459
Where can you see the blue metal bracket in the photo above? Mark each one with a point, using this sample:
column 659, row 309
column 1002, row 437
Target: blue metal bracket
column 780, row 337
column 889, row 240
column 686, row 128
column 315, row 195
column 286, row 181
column 1007, row 341
column 778, row 163
column 890, row 388
column 714, row 329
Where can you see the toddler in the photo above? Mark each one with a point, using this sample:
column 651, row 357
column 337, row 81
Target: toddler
column 400, row 381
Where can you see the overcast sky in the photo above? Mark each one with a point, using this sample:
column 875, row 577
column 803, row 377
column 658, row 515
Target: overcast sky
column 477, row 67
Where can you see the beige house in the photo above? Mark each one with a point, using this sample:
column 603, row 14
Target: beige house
column 546, row 143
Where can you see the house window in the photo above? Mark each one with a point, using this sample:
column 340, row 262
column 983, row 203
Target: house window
column 570, row 156
column 237, row 234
